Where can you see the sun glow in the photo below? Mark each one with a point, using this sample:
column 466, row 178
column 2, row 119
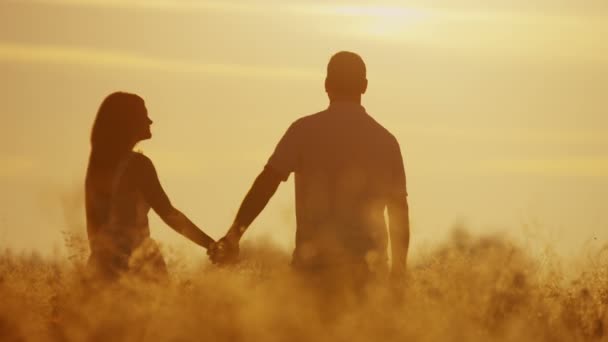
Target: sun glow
column 383, row 21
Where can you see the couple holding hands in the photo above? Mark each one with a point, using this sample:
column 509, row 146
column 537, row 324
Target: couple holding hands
column 348, row 172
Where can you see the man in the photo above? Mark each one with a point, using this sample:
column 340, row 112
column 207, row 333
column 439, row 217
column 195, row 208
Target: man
column 348, row 170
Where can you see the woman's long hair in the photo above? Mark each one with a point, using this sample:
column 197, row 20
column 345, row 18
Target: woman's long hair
column 113, row 131
column 114, row 128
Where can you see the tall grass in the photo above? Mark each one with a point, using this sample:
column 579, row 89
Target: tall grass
column 468, row 289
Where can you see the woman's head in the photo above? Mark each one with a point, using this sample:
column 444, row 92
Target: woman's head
column 122, row 121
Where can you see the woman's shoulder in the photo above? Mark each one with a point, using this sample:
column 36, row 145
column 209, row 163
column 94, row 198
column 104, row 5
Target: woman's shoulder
column 140, row 161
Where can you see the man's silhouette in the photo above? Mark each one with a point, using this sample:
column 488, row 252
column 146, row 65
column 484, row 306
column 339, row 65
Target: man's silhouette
column 348, row 170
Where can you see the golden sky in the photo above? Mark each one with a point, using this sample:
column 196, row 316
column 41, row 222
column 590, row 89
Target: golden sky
column 500, row 107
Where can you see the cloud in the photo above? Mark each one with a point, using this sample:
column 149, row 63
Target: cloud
column 248, row 7
column 545, row 137
column 483, row 31
column 561, row 167
column 392, row 7
column 53, row 54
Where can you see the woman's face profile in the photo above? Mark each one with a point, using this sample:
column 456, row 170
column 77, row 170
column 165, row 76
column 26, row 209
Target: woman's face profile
column 143, row 123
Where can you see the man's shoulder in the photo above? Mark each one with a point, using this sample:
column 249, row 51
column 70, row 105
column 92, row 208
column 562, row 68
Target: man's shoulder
column 307, row 122
column 383, row 131
column 311, row 121
column 310, row 118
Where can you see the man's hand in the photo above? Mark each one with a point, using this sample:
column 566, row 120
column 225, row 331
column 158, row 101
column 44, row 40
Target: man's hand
column 225, row 251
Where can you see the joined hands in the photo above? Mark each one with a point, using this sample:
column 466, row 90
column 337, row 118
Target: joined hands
column 226, row 250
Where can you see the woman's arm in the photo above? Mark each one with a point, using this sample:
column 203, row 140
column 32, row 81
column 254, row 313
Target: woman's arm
column 159, row 201
column 181, row 224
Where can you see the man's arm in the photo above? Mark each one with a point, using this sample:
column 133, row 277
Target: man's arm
column 282, row 162
column 399, row 227
column 398, row 212
column 262, row 190
column 226, row 250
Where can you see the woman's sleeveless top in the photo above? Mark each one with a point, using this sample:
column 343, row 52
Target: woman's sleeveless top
column 126, row 225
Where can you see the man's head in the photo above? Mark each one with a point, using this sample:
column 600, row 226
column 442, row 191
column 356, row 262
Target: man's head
column 346, row 76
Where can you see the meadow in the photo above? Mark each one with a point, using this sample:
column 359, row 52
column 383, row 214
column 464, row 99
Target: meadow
column 470, row 288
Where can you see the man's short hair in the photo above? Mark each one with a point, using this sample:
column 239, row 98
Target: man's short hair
column 346, row 73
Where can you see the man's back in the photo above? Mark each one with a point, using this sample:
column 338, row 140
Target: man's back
column 345, row 165
column 348, row 170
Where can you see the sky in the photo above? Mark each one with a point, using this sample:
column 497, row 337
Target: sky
column 499, row 107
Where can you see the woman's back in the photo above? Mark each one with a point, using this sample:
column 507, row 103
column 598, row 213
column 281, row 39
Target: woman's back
column 117, row 207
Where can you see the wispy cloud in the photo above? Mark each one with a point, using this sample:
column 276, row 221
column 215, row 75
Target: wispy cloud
column 545, row 137
column 481, row 33
column 562, row 167
column 31, row 53
column 249, row 7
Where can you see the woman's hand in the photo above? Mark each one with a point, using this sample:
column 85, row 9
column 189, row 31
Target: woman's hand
column 224, row 252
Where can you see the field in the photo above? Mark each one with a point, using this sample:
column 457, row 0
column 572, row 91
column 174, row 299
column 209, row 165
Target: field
column 468, row 289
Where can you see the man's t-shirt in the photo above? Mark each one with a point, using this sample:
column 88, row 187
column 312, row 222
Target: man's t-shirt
column 346, row 168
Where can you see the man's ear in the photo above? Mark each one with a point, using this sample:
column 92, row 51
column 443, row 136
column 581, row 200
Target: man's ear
column 364, row 86
column 326, row 85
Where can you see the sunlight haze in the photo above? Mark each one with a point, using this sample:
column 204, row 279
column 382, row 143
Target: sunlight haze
column 500, row 108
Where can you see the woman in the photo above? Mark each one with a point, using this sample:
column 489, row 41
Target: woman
column 121, row 187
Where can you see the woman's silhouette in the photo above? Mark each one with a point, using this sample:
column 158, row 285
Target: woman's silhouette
column 121, row 187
